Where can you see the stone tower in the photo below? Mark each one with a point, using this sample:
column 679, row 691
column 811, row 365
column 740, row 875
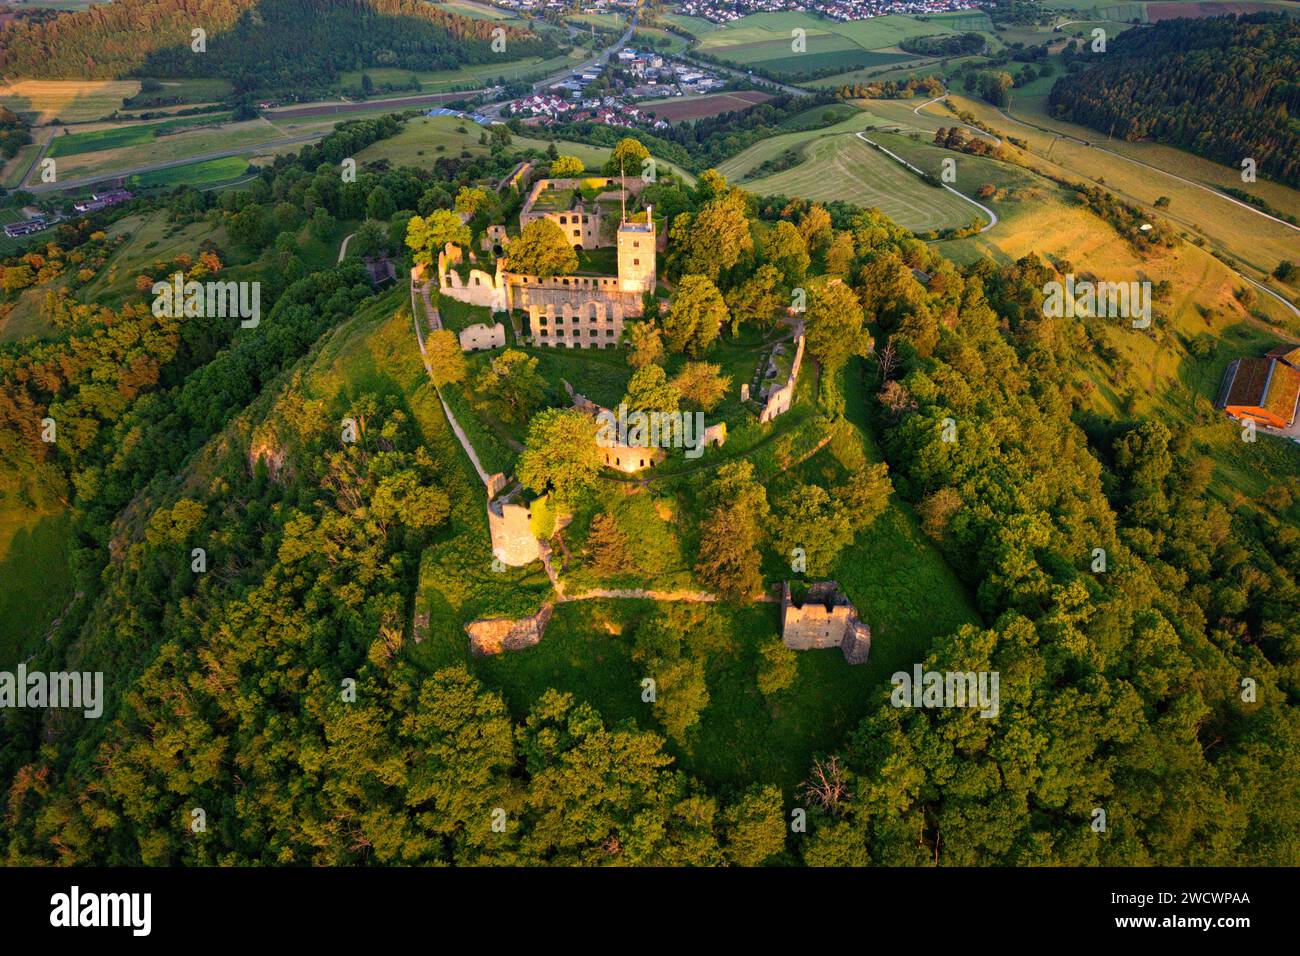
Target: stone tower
column 636, row 255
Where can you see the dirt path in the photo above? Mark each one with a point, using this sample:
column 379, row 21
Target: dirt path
column 343, row 249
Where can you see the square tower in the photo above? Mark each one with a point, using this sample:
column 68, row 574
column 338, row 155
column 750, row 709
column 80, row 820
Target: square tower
column 636, row 254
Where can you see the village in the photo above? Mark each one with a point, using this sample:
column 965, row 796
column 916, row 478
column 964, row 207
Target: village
column 608, row 94
column 35, row 220
column 844, row 11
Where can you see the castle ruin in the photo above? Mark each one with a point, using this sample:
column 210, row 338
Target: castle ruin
column 824, row 618
column 494, row 635
column 568, row 311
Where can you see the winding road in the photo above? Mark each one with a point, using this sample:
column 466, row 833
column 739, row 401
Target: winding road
column 993, row 217
column 1137, row 162
column 1213, row 192
column 974, row 129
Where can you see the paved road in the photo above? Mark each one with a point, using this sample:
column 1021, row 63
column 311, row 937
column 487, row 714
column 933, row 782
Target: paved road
column 154, row 167
column 974, row 129
column 1137, row 162
column 366, row 106
column 993, row 217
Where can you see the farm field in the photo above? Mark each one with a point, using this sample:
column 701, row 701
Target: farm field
column 467, row 77
column 15, row 170
column 661, row 40
column 424, row 139
column 120, row 136
column 845, row 167
column 189, row 92
column 69, row 101
column 204, row 173
column 679, row 108
column 166, row 148
column 765, row 40
column 903, row 68
column 606, row 21
column 972, row 172
column 741, row 166
column 478, row 11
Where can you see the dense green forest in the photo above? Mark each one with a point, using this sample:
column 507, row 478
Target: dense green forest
column 1122, row 690
column 960, row 44
column 14, row 133
column 1223, row 87
column 257, row 44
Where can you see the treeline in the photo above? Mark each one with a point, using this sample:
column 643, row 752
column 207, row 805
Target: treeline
column 256, row 44
column 892, row 89
column 706, row 142
column 14, row 133
column 944, row 44
column 1224, row 88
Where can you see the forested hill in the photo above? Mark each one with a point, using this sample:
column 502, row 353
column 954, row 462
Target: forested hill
column 1225, row 88
column 257, row 44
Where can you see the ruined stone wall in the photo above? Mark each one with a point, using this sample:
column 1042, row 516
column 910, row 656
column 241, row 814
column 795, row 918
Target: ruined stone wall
column 631, row 458
column 495, row 635
column 567, row 325
column 780, row 399
column 825, row 618
column 482, row 336
column 480, row 289
column 513, row 542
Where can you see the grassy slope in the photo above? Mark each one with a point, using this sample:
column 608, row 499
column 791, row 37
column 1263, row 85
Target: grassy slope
column 175, row 146
column 35, row 575
column 844, row 167
column 418, row 145
column 1255, row 241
